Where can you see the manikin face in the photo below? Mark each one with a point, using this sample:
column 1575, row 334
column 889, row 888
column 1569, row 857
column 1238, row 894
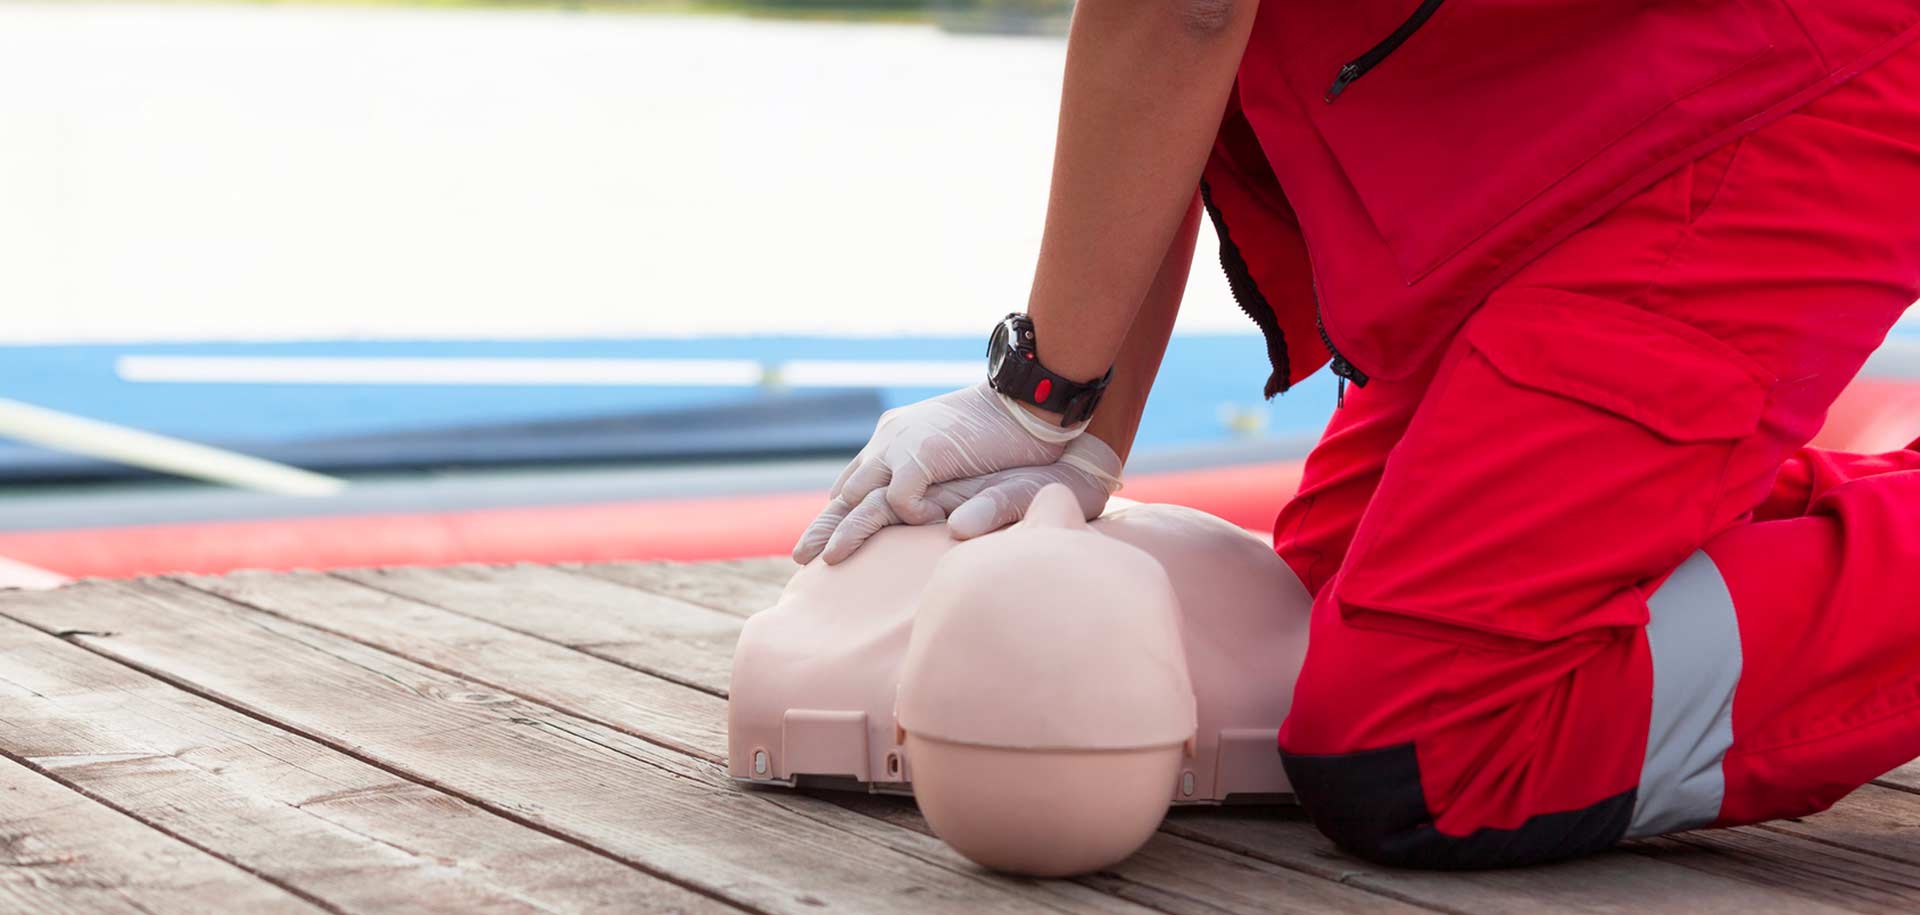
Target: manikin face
column 1044, row 698
column 1048, row 635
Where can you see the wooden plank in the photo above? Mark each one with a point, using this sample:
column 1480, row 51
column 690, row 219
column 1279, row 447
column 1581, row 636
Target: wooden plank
column 673, row 715
column 1794, row 868
column 61, row 852
column 336, row 829
column 776, row 569
column 1067, row 894
column 670, row 638
column 513, row 663
column 1605, row 884
column 1876, row 820
column 724, row 589
column 642, row 804
column 1178, row 875
column 1907, row 777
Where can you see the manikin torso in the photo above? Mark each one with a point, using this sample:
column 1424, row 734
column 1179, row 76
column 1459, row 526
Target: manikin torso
column 1045, row 690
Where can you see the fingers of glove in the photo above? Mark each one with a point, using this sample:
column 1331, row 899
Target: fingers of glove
column 873, row 474
column 955, row 493
column 814, row 538
column 907, row 493
column 877, row 444
column 865, row 520
column 994, row 508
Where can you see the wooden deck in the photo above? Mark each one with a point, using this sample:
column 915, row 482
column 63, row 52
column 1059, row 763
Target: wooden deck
column 551, row 739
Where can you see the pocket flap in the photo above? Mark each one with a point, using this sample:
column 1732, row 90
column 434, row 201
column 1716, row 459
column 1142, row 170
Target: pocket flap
column 1674, row 379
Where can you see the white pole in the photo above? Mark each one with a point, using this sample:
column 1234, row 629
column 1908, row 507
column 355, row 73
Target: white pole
column 33, row 578
column 123, row 445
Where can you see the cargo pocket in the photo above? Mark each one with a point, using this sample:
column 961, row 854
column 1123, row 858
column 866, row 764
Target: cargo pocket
column 1573, row 447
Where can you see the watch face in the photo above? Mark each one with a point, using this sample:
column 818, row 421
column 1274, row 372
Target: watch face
column 997, row 351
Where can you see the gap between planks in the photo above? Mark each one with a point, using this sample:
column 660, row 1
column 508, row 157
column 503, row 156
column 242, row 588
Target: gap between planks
column 727, row 589
column 663, row 636
column 51, row 860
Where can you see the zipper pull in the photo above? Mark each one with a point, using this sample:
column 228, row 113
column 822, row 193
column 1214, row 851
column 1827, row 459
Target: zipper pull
column 1340, row 392
column 1347, row 75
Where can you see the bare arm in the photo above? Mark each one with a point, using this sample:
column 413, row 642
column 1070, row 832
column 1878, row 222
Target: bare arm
column 1146, row 82
column 1118, row 418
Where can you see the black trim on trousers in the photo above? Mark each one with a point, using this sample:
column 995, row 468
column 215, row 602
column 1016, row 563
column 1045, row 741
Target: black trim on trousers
column 1370, row 803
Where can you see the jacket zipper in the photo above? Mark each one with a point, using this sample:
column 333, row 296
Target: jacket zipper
column 1358, row 67
column 1246, row 294
column 1340, row 367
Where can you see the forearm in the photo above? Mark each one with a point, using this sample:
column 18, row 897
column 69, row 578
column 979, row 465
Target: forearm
column 1118, row 418
column 1146, row 81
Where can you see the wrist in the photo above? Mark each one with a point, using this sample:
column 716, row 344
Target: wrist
column 1015, row 371
column 1091, row 455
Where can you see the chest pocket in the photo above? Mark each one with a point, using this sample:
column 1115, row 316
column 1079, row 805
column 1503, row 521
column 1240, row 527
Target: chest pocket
column 1491, row 102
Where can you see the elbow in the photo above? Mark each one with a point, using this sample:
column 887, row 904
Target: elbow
column 1207, row 18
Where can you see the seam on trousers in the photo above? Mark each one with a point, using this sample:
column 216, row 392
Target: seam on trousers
column 1909, row 708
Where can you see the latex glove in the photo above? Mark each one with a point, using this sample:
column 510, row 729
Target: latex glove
column 1088, row 467
column 976, row 505
column 964, row 433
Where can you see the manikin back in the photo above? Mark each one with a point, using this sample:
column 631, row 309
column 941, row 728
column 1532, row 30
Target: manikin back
column 816, row 677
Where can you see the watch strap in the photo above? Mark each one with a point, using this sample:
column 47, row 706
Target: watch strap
column 1029, row 381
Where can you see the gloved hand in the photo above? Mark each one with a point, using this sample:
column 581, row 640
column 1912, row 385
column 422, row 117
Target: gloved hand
column 965, row 433
column 975, row 505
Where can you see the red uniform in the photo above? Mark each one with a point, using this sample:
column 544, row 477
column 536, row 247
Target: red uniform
column 1602, row 267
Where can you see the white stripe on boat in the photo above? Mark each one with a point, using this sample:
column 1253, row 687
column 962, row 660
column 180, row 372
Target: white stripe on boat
column 818, row 373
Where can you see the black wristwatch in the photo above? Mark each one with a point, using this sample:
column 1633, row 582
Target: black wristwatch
column 1014, row 369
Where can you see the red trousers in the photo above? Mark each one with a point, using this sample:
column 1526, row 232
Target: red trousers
column 1580, row 579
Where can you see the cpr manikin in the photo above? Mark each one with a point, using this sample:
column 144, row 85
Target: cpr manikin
column 1044, row 691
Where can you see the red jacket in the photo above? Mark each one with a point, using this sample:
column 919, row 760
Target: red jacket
column 1475, row 135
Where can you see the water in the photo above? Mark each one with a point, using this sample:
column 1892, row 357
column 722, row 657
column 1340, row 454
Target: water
column 247, row 172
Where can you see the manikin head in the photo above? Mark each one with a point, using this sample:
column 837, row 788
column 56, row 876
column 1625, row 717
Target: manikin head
column 1044, row 699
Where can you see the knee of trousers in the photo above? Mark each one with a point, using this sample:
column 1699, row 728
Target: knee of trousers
column 1362, row 785
column 1361, row 744
column 1371, row 805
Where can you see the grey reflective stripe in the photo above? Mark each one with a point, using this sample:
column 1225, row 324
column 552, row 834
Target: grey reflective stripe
column 1695, row 641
